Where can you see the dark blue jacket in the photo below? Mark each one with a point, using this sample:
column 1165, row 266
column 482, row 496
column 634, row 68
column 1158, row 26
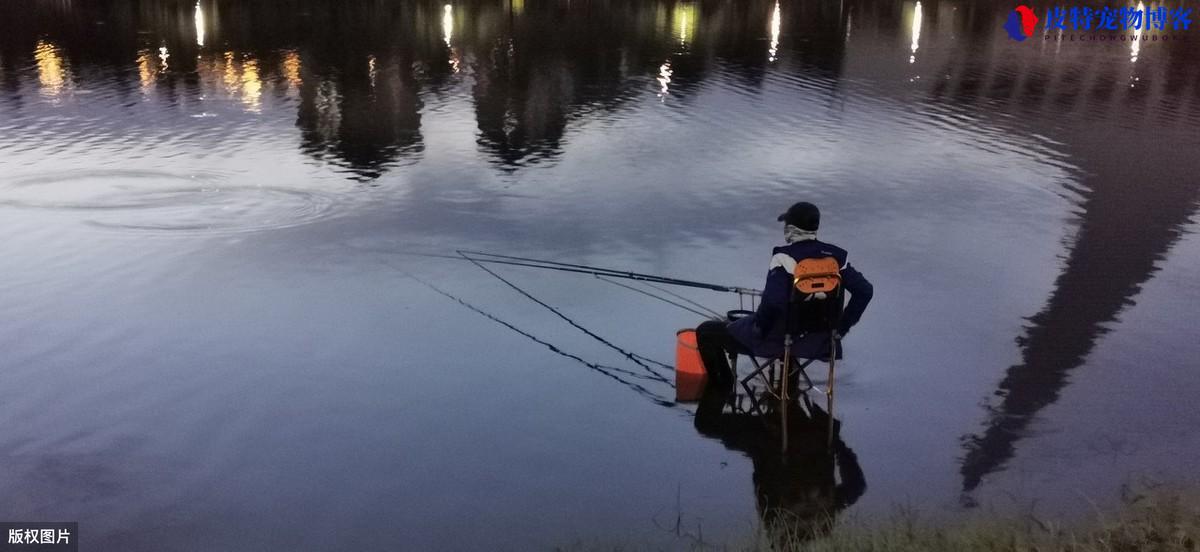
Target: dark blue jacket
column 762, row 333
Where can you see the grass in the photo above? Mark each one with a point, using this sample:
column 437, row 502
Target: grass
column 1146, row 521
column 1153, row 521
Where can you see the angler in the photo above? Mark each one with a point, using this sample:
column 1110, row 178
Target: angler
column 763, row 333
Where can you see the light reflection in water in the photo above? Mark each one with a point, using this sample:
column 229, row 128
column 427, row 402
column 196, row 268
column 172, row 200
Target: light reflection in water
column 448, row 34
column 776, row 20
column 229, row 76
column 199, row 18
column 916, row 33
column 146, row 71
column 568, row 104
column 371, row 73
column 163, row 55
column 664, row 79
column 1136, row 45
column 291, row 69
column 251, row 86
column 242, row 80
column 52, row 73
column 685, row 17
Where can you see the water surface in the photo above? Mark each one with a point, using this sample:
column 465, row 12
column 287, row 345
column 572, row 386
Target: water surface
column 214, row 336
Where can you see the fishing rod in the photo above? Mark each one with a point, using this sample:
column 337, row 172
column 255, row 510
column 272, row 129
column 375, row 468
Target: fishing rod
column 495, row 258
column 660, row 298
column 684, row 299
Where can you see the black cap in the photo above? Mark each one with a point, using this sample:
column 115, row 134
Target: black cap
column 803, row 215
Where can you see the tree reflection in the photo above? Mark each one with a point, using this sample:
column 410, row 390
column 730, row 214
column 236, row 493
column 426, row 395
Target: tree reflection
column 358, row 72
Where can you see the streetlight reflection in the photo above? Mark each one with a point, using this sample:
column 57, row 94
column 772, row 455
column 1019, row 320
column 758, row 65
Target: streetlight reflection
column 448, row 34
column 199, row 18
column 291, row 69
column 916, row 33
column 685, row 18
column 1135, row 46
column 52, row 73
column 251, row 86
column 146, row 70
column 776, row 21
column 664, row 79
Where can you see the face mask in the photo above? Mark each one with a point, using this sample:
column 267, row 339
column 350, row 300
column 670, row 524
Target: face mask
column 794, row 234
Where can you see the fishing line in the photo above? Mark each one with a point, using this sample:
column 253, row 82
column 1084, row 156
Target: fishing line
column 630, row 356
column 651, row 295
column 604, row 370
column 686, row 300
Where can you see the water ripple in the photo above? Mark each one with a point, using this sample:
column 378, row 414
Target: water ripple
column 167, row 202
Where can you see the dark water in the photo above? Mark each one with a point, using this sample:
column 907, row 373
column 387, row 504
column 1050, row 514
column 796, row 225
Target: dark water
column 211, row 339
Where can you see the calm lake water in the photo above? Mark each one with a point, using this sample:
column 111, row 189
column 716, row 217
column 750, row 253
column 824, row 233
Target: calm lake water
column 215, row 336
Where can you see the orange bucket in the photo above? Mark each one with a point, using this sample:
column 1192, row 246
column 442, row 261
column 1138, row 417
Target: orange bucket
column 690, row 376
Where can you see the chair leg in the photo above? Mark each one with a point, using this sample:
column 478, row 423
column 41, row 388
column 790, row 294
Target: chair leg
column 758, row 370
column 754, row 402
column 733, row 358
column 802, row 369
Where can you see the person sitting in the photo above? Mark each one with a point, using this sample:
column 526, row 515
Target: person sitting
column 762, row 333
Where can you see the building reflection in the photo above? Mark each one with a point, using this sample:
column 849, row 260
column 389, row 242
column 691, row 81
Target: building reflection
column 1127, row 221
column 1127, row 226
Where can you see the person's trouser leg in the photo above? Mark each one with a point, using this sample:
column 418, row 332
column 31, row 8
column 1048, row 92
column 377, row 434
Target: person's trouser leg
column 715, row 342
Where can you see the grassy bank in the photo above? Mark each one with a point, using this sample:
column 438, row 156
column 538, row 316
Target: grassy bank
column 1152, row 522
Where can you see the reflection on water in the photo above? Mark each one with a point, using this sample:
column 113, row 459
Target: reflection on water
column 52, row 74
column 1039, row 188
column 684, row 16
column 147, row 71
column 799, row 494
column 291, row 70
column 199, row 20
column 775, row 25
column 916, row 32
column 1127, row 227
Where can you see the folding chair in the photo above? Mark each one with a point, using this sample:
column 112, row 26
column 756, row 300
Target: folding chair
column 815, row 304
